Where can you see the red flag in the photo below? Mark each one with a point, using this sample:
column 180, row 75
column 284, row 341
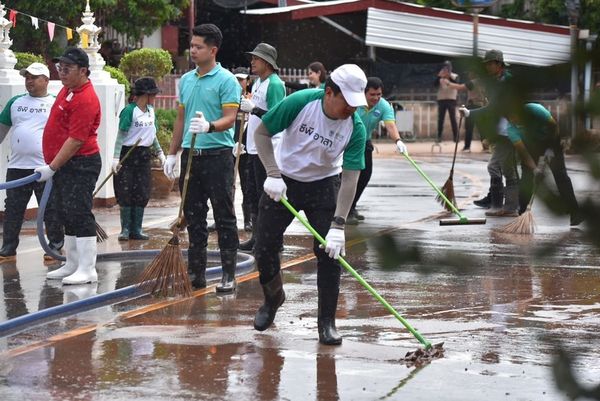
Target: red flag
column 13, row 17
column 51, row 30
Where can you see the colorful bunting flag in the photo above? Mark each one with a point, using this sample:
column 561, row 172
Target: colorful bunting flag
column 12, row 16
column 51, row 30
column 35, row 23
column 84, row 40
column 69, row 34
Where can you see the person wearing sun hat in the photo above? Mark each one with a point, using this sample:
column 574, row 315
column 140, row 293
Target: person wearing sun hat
column 25, row 116
column 132, row 181
column 267, row 90
column 321, row 137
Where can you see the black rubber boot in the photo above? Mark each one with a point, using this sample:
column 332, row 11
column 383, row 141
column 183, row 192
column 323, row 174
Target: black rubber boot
column 137, row 217
column 10, row 240
column 328, row 334
column 274, row 297
column 248, row 245
column 228, row 263
column 497, row 194
column 484, row 202
column 125, row 223
column 197, row 260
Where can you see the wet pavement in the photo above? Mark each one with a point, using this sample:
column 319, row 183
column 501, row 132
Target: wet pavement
column 500, row 309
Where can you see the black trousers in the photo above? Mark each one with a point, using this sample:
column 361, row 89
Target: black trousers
column 74, row 185
column 211, row 177
column 133, row 182
column 559, row 171
column 256, row 177
column 317, row 200
column 470, row 125
column 15, row 206
column 450, row 106
column 247, row 189
column 365, row 175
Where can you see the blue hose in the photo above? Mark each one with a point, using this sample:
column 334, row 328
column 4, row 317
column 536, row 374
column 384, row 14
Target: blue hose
column 126, row 293
column 130, row 292
column 20, row 182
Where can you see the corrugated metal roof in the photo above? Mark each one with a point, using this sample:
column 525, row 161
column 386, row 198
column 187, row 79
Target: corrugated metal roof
column 309, row 4
column 452, row 37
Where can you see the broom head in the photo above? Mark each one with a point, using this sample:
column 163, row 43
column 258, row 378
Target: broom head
column 101, row 235
column 167, row 274
column 179, row 223
column 448, row 191
column 524, row 224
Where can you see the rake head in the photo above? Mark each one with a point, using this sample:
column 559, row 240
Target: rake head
column 101, row 235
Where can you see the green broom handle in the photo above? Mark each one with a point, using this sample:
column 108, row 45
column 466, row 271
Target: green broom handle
column 357, row 276
column 112, row 172
column 440, row 193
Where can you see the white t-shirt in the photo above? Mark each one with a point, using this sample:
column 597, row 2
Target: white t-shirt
column 313, row 146
column 27, row 115
column 138, row 124
column 265, row 95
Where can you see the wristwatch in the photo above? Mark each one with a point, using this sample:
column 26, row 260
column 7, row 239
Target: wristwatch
column 339, row 220
column 211, row 127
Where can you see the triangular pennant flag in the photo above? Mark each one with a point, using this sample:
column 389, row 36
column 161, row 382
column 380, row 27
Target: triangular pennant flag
column 35, row 23
column 13, row 17
column 51, row 30
column 84, row 40
column 69, row 34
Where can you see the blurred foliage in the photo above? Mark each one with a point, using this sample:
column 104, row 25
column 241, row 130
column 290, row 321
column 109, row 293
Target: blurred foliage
column 165, row 120
column 155, row 63
column 133, row 18
column 120, row 77
column 562, row 369
column 25, row 59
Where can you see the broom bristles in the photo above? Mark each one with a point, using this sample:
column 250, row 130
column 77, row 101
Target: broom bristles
column 101, row 235
column 179, row 224
column 448, row 191
column 167, row 274
column 524, row 224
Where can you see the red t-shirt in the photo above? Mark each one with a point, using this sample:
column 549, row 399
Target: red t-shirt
column 75, row 114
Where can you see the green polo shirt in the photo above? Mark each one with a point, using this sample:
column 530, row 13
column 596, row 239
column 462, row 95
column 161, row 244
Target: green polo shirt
column 208, row 93
column 538, row 125
column 382, row 111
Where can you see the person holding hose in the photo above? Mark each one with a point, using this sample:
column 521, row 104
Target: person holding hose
column 322, row 137
column 70, row 145
column 24, row 117
column 209, row 97
column 137, row 125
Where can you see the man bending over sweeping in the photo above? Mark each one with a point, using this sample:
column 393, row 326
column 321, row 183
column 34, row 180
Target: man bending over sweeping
column 534, row 132
column 322, row 136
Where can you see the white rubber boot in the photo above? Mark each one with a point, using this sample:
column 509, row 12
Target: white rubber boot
column 86, row 271
column 71, row 263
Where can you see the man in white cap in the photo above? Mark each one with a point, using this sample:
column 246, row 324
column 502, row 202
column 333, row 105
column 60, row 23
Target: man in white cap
column 322, row 137
column 25, row 117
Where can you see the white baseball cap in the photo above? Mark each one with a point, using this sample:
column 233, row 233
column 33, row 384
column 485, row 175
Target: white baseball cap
column 36, row 69
column 352, row 82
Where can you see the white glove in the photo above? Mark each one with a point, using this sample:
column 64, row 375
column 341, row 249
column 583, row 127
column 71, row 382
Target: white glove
column 549, row 154
column 539, row 170
column 401, row 146
column 464, row 111
column 565, row 144
column 46, row 173
column 247, row 105
column 238, row 149
column 115, row 165
column 169, row 167
column 199, row 124
column 162, row 159
column 275, row 188
column 335, row 243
